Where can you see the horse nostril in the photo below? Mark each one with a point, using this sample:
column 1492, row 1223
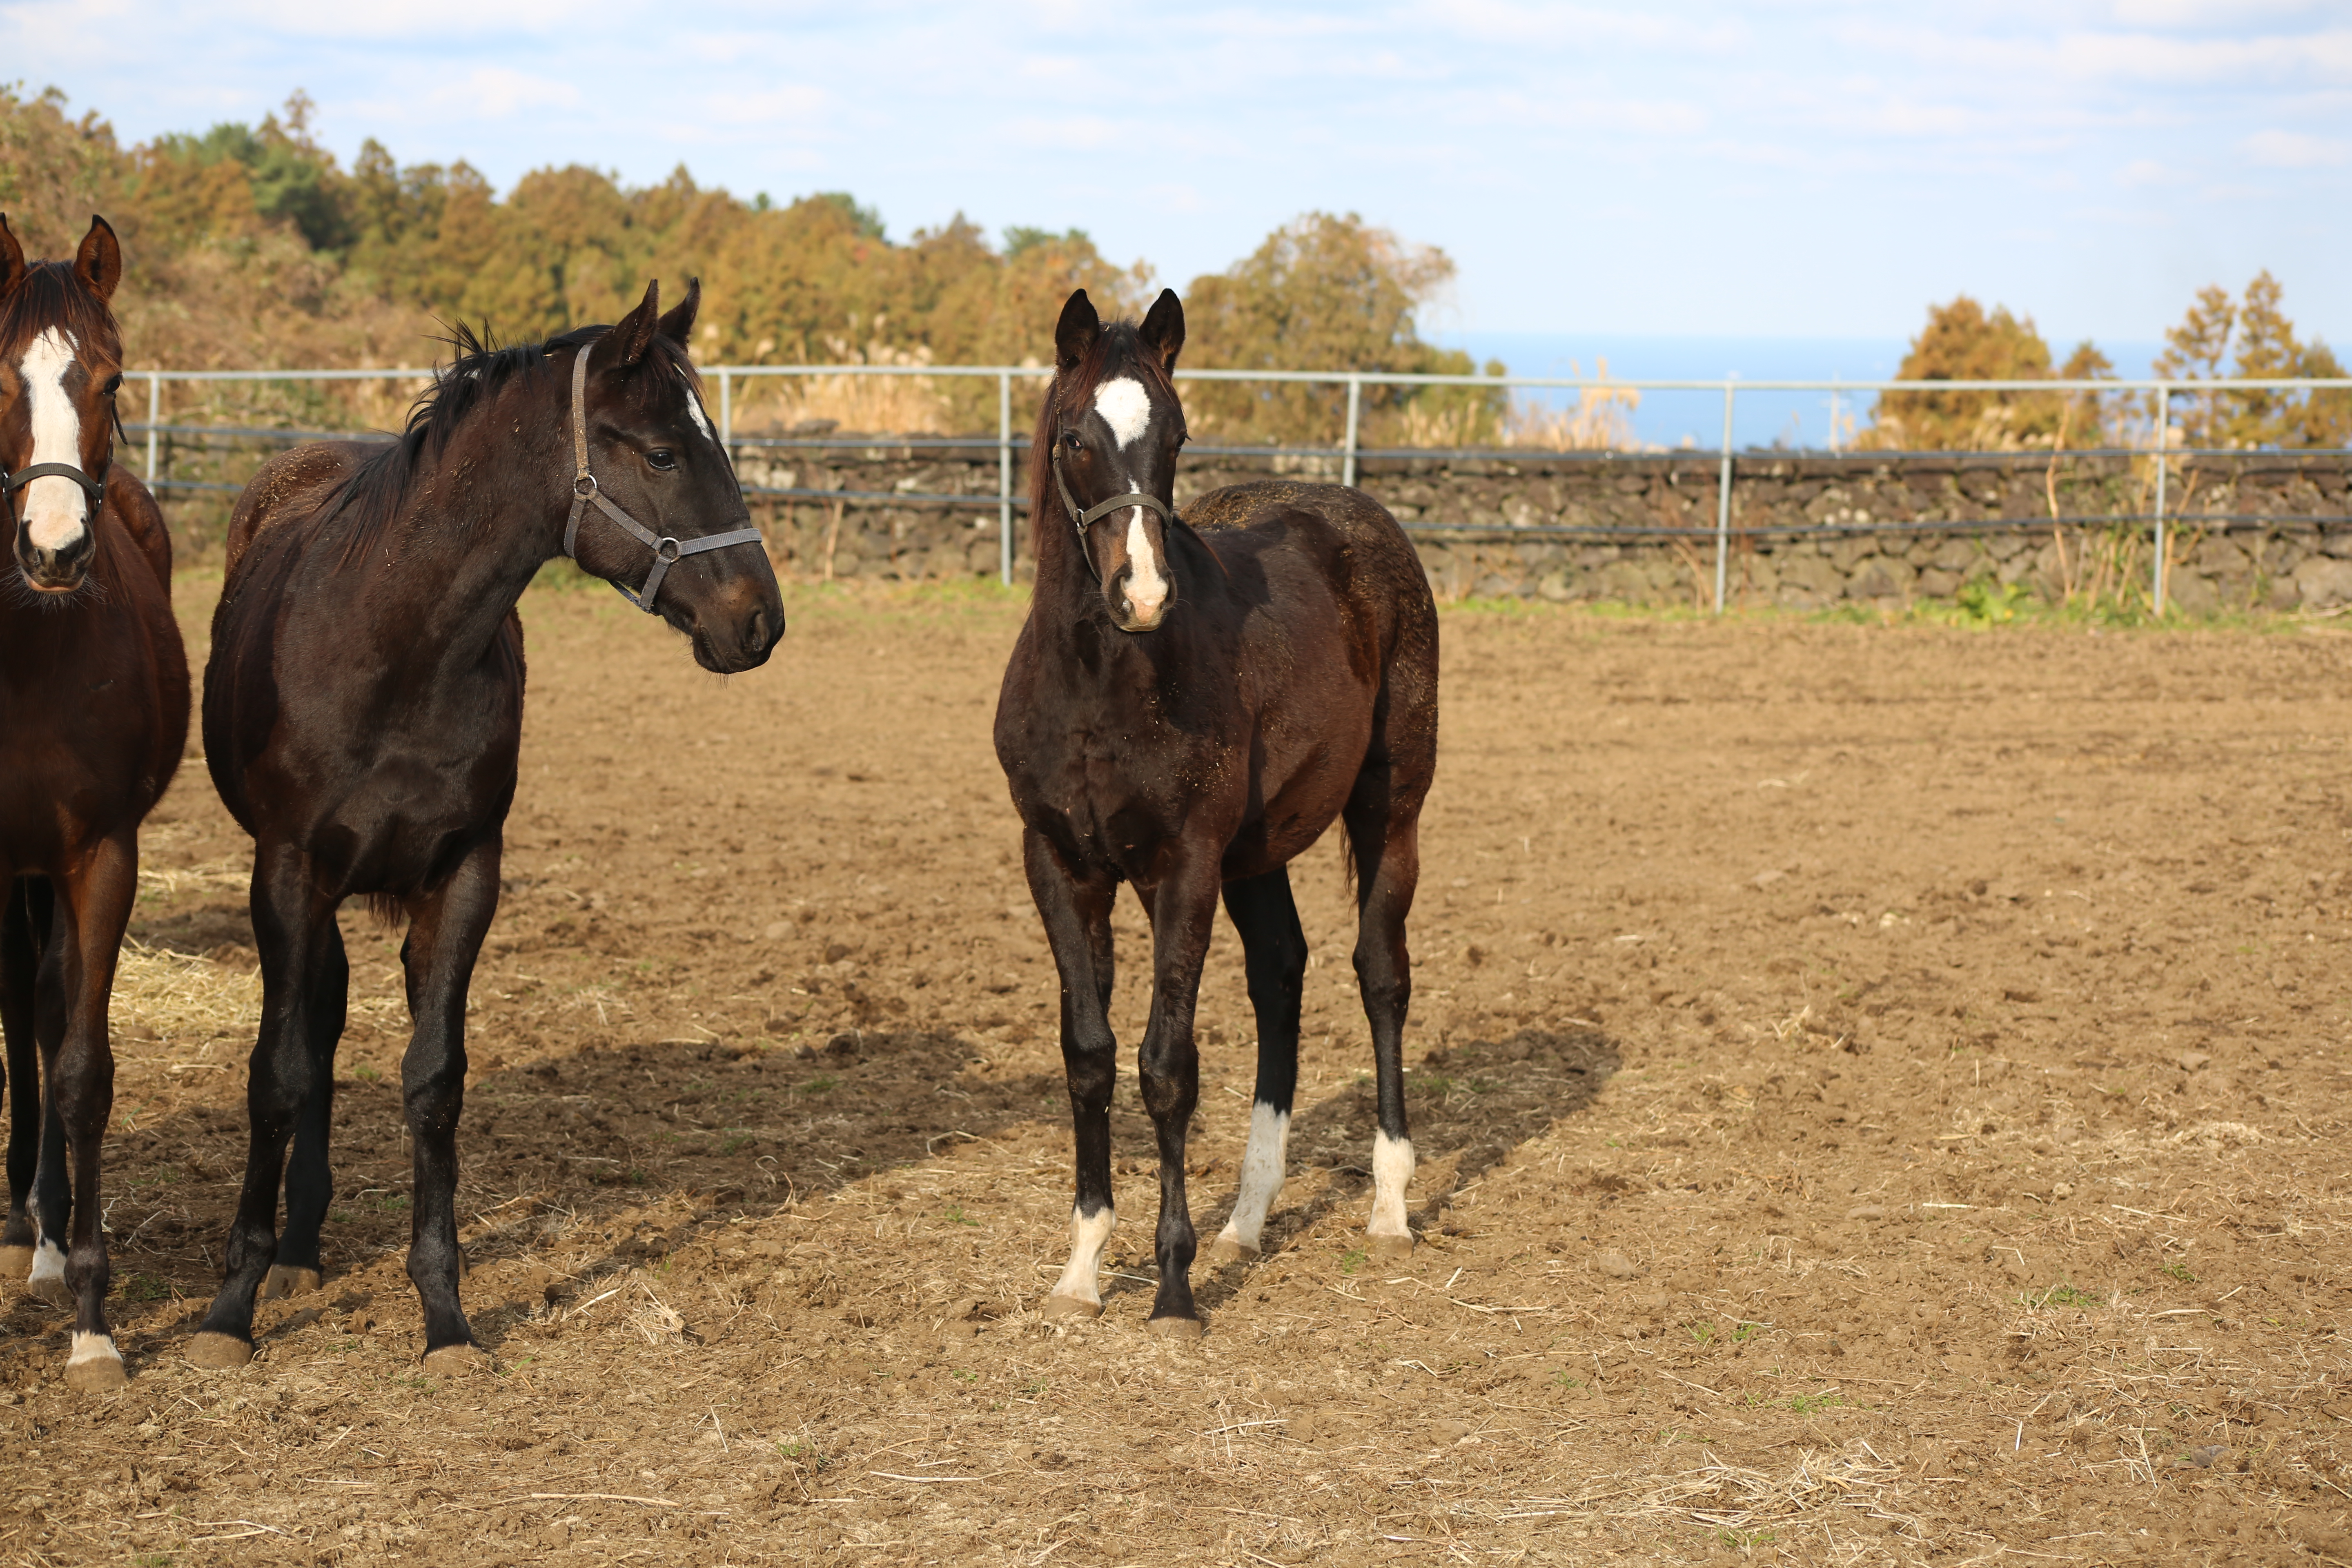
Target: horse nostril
column 755, row 635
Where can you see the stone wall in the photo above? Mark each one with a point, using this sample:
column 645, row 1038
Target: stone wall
column 2256, row 530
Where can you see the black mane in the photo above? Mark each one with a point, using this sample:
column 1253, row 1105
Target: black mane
column 481, row 368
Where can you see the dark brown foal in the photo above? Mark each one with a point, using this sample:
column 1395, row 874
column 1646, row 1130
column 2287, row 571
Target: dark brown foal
column 1192, row 703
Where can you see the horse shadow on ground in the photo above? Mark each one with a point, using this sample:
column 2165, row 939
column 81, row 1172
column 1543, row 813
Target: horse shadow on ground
column 640, row 1149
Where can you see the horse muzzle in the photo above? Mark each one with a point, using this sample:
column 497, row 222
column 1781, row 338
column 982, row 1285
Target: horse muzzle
column 58, row 569
column 737, row 634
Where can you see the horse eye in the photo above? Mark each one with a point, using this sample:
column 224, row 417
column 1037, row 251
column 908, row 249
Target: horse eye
column 1070, row 439
column 662, row 458
column 113, row 383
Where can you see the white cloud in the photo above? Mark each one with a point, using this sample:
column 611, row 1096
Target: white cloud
column 2142, row 171
column 499, row 92
column 2296, row 150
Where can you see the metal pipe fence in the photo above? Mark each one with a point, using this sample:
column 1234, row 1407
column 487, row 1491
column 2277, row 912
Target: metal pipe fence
column 1350, row 453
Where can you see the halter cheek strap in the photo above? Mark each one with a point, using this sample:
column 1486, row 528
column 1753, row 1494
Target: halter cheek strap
column 1082, row 520
column 586, row 491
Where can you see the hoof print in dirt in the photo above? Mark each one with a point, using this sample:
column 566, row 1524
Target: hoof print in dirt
column 219, row 1351
column 285, row 1282
column 1062, row 1307
column 1176, row 1327
column 456, row 1360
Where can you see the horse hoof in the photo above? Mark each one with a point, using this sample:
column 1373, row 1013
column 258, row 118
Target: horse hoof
column 1068, row 1307
column 1390, row 1248
column 1230, row 1249
column 1175, row 1328
column 220, row 1352
column 286, row 1280
column 100, row 1373
column 52, row 1290
column 456, row 1360
column 16, row 1262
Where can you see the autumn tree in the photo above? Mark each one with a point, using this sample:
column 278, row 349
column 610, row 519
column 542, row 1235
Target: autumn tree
column 2250, row 339
column 1962, row 342
column 1321, row 293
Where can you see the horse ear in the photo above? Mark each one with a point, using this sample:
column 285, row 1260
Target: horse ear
column 677, row 325
column 632, row 334
column 1163, row 329
column 98, row 262
column 12, row 258
column 1075, row 333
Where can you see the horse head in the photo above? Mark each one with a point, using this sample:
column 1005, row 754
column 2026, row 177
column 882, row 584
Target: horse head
column 60, row 365
column 1115, row 426
column 656, row 455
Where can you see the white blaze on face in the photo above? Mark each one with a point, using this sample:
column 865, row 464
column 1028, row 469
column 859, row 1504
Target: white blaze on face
column 694, row 411
column 1262, row 1171
column 55, row 509
column 1088, row 1234
column 1126, row 407
column 1392, row 1171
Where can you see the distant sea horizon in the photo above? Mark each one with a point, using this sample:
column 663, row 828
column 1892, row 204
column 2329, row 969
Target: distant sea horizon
column 1799, row 420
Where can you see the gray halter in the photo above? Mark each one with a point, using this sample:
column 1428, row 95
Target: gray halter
column 1082, row 520
column 585, row 490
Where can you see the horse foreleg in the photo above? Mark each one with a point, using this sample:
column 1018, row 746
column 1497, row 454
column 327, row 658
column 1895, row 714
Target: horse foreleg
column 1183, row 912
column 50, row 1194
column 289, row 921
column 93, row 907
column 1274, row 948
column 1386, row 843
column 1077, row 914
column 24, row 920
column 444, row 939
column 309, row 1179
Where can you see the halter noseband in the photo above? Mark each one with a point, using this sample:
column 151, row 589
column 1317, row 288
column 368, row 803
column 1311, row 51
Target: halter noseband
column 1082, row 520
column 585, row 489
column 10, row 483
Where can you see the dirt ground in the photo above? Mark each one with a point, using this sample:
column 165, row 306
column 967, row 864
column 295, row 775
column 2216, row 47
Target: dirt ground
column 1877, row 1093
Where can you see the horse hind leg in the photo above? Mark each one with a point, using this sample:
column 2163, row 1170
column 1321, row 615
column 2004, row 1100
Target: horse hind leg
column 23, row 919
column 50, row 1193
column 1385, row 843
column 290, row 920
column 1275, row 950
column 309, row 1181
column 444, row 940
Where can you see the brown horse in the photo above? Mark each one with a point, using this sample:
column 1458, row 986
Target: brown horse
column 363, row 719
column 93, row 716
column 1192, row 703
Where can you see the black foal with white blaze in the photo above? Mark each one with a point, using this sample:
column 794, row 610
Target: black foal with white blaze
column 363, row 716
column 1192, row 703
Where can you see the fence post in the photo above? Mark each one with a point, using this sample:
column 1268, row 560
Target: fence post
column 1355, row 412
column 727, row 413
column 2163, row 462
column 1004, row 476
column 155, row 417
column 1723, row 506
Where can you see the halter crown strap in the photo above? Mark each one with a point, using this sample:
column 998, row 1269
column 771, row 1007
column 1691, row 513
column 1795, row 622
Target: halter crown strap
column 586, row 491
column 1082, row 520
column 11, row 483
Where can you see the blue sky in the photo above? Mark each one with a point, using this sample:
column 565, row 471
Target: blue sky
column 1804, row 167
